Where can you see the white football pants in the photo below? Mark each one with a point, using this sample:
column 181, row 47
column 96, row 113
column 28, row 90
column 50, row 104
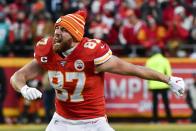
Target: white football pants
column 58, row 123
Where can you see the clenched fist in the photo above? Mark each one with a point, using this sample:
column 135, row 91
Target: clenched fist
column 30, row 93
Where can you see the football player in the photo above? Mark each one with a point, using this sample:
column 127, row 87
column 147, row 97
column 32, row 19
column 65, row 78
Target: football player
column 76, row 66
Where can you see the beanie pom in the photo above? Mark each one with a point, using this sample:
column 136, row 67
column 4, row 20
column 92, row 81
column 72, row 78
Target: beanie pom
column 82, row 13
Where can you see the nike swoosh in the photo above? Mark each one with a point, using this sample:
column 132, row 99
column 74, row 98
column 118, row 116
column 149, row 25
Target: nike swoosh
column 178, row 81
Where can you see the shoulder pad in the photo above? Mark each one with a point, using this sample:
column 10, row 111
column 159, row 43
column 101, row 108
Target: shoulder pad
column 43, row 47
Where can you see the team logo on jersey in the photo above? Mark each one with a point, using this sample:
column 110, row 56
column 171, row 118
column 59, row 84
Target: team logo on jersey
column 44, row 59
column 79, row 65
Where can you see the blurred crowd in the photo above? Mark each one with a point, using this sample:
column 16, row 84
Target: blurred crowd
column 130, row 27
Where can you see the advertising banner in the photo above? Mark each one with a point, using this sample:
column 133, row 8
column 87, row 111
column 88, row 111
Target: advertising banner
column 126, row 96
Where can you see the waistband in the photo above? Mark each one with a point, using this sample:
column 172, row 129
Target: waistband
column 78, row 122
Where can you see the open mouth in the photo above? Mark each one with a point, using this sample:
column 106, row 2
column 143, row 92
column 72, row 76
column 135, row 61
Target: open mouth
column 57, row 44
column 57, row 39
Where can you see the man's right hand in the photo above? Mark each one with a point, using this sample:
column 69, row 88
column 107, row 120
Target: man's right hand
column 30, row 93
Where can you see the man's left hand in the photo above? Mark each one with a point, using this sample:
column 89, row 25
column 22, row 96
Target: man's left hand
column 177, row 85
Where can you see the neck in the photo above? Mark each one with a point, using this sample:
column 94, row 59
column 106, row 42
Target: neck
column 72, row 47
column 73, row 44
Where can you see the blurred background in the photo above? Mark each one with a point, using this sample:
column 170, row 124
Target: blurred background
column 132, row 28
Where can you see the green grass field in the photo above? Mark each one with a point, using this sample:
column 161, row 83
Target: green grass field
column 117, row 127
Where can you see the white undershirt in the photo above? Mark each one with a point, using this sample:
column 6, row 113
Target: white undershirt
column 67, row 52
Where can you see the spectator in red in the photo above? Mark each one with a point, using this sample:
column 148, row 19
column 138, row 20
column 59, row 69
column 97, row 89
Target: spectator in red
column 186, row 19
column 168, row 11
column 156, row 33
column 98, row 29
column 123, row 8
column 12, row 12
column 20, row 35
column 135, row 33
column 112, row 37
column 177, row 33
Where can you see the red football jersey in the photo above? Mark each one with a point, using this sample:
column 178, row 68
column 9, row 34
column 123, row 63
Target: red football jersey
column 79, row 88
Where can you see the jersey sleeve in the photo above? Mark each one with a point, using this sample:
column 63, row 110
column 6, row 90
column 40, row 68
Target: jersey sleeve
column 43, row 47
column 103, row 53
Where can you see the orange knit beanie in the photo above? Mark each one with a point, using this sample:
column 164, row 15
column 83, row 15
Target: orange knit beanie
column 74, row 23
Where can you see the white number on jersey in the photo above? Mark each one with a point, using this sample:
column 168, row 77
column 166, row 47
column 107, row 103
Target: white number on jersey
column 57, row 80
column 43, row 41
column 92, row 43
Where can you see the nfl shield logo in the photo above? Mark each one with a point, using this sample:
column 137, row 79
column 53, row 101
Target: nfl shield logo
column 63, row 63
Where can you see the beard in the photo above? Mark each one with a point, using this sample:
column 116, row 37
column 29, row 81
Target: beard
column 57, row 47
column 60, row 45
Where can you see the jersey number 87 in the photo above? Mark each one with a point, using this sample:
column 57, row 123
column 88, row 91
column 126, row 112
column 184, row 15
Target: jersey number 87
column 57, row 79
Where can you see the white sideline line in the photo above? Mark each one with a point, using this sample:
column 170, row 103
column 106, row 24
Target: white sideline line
column 184, row 70
column 135, row 105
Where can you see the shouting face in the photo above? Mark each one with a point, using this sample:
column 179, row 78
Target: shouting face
column 62, row 40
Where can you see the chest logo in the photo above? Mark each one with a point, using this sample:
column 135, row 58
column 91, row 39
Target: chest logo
column 79, row 65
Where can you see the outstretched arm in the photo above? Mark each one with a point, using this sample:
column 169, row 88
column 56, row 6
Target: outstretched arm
column 118, row 66
column 20, row 77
